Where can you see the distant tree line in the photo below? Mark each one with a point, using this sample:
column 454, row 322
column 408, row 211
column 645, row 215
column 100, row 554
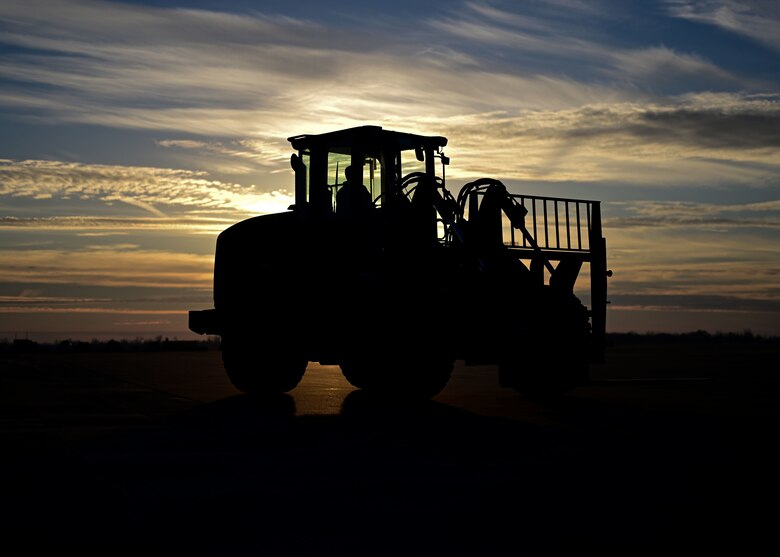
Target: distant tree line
column 693, row 337
column 160, row 344
column 157, row 344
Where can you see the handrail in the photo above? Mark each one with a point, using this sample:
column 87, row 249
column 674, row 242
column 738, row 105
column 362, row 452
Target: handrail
column 557, row 223
column 560, row 220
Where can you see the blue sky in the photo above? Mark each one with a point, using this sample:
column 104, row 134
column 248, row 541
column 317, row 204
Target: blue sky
column 133, row 132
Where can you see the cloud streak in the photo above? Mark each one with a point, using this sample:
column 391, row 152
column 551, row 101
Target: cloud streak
column 149, row 68
column 704, row 260
column 171, row 77
column 689, row 139
column 655, row 214
column 107, row 267
column 758, row 20
column 150, row 189
column 685, row 302
column 105, row 226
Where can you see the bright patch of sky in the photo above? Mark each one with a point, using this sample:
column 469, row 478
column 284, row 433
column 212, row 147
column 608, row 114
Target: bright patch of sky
column 133, row 132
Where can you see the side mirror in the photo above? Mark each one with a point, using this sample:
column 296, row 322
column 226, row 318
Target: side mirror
column 295, row 161
column 418, row 152
column 445, row 159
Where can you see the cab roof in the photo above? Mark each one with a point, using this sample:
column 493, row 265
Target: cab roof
column 368, row 137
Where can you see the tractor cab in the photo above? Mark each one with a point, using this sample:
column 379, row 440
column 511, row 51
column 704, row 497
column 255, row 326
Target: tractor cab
column 383, row 163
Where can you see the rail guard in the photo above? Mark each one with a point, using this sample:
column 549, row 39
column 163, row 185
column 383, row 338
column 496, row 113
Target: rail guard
column 567, row 228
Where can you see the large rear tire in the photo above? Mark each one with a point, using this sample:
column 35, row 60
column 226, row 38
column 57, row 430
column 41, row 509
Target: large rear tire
column 256, row 372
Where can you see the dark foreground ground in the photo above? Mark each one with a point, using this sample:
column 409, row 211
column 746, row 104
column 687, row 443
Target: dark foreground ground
column 670, row 451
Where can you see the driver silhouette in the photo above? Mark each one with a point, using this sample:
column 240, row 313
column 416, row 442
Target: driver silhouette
column 353, row 198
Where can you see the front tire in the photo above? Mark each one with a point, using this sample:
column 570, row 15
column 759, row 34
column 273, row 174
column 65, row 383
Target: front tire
column 257, row 373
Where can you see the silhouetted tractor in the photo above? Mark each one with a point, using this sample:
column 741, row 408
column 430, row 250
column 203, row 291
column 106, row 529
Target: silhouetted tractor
column 392, row 278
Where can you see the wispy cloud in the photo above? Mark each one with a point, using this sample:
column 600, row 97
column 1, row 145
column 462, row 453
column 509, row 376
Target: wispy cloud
column 701, row 215
column 687, row 140
column 704, row 261
column 661, row 68
column 694, row 221
column 107, row 267
column 756, row 19
column 173, row 75
column 161, row 192
column 110, row 311
column 669, row 215
column 551, row 35
column 26, row 299
column 242, row 156
column 111, row 226
column 695, row 139
column 712, row 303
column 577, row 104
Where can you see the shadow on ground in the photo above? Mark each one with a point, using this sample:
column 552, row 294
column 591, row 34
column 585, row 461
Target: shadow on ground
column 247, row 476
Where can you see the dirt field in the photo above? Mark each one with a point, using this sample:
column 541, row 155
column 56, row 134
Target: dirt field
column 670, row 450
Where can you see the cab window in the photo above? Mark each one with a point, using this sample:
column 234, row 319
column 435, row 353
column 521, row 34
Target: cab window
column 409, row 163
column 339, row 159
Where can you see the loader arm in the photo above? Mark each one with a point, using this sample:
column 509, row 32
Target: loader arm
column 496, row 194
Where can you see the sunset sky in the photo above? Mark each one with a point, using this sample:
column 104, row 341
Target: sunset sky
column 133, row 132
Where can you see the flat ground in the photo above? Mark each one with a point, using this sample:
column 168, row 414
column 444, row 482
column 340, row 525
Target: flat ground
column 670, row 450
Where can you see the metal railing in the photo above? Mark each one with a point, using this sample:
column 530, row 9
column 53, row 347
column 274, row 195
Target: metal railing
column 554, row 223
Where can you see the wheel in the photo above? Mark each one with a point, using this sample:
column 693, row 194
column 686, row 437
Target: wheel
column 408, row 378
column 357, row 373
column 427, row 378
column 256, row 373
column 554, row 357
column 539, row 379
